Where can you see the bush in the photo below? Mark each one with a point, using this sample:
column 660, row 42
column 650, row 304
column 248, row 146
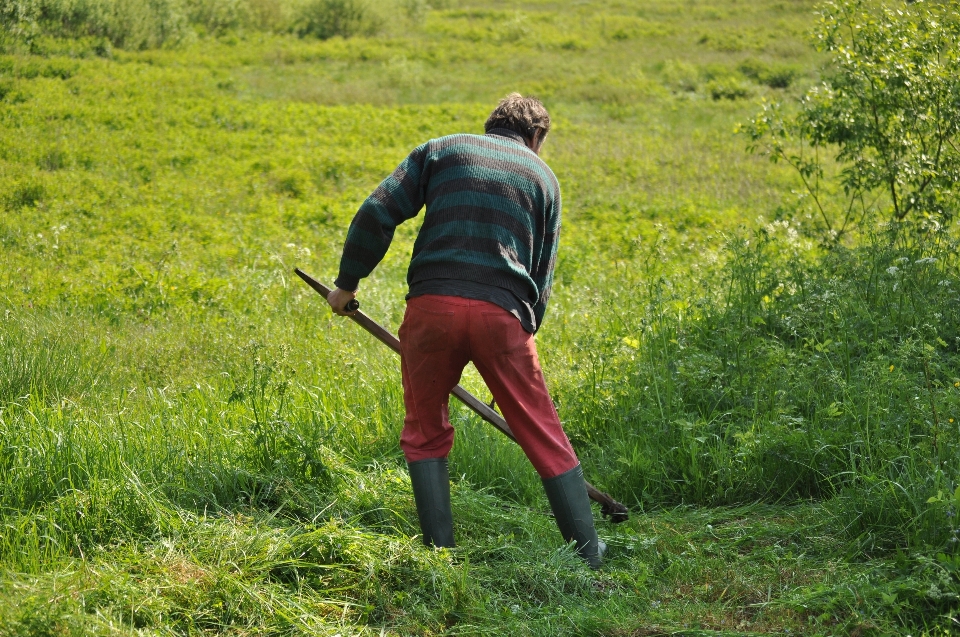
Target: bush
column 270, row 15
column 144, row 24
column 772, row 75
column 24, row 195
column 680, row 76
column 328, row 18
column 782, row 373
column 132, row 24
column 727, row 89
column 17, row 18
column 137, row 24
column 888, row 111
column 219, row 16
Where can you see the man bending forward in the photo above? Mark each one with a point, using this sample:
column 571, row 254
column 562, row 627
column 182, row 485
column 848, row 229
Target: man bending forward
column 480, row 279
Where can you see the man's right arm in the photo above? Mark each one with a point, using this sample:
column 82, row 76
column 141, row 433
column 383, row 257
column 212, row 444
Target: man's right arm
column 398, row 198
column 338, row 299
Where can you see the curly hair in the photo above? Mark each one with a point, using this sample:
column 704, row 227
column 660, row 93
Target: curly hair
column 522, row 115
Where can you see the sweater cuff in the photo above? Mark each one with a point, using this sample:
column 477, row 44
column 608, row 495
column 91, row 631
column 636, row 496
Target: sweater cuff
column 347, row 282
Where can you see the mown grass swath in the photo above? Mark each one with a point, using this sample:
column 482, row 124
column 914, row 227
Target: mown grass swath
column 189, row 443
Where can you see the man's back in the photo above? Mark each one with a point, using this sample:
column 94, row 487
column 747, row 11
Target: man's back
column 493, row 217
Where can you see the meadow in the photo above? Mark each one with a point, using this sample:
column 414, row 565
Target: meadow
column 190, row 443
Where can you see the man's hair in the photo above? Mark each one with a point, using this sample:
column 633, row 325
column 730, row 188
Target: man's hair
column 522, row 115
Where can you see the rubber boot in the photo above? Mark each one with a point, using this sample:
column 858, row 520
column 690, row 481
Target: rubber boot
column 567, row 493
column 431, row 490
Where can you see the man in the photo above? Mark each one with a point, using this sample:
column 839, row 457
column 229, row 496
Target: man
column 480, row 277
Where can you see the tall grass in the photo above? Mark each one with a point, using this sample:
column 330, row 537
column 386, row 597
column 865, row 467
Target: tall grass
column 50, row 359
column 279, row 458
column 782, row 374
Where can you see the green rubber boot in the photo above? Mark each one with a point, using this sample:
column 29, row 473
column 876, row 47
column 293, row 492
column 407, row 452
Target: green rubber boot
column 567, row 493
column 431, row 490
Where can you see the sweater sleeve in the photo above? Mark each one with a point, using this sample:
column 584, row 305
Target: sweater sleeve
column 398, row 198
column 543, row 270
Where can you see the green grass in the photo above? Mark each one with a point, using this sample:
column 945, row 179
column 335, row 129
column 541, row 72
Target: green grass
column 191, row 444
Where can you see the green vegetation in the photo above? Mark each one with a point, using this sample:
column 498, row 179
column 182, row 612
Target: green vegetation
column 191, row 444
column 890, row 111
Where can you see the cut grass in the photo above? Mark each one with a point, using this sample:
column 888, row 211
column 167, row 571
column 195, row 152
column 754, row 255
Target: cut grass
column 749, row 569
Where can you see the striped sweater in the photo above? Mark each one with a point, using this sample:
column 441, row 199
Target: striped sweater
column 493, row 217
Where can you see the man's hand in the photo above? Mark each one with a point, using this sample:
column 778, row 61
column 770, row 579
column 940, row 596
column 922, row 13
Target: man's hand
column 338, row 300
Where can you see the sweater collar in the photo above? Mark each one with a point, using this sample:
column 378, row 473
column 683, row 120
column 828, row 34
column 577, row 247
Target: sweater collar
column 509, row 134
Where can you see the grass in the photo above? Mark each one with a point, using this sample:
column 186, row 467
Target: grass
column 190, row 444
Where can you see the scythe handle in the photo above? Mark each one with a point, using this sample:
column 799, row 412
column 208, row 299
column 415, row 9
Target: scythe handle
column 609, row 507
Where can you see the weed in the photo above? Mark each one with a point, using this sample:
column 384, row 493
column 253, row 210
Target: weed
column 726, row 89
column 25, row 195
column 772, row 75
column 328, row 18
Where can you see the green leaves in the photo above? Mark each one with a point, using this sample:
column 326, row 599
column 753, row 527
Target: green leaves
column 888, row 111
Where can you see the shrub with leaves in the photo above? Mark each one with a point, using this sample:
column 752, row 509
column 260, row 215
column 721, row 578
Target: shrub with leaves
column 888, row 110
column 328, row 18
column 130, row 24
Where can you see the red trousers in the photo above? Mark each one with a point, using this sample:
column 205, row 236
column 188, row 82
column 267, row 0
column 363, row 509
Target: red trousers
column 438, row 337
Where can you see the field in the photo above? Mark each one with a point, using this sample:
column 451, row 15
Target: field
column 190, row 443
